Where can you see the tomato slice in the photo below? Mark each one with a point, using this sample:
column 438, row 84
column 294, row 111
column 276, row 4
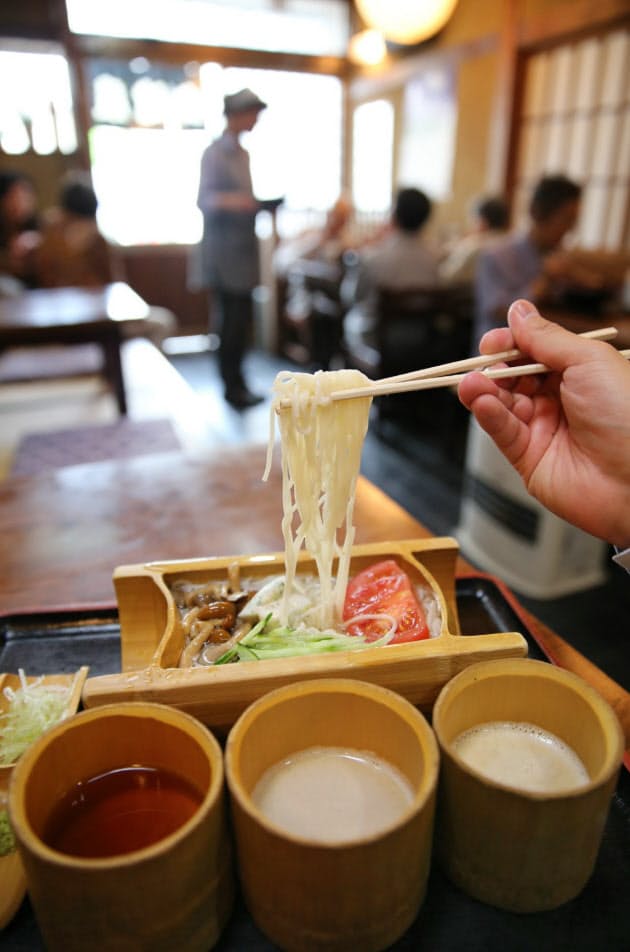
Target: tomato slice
column 384, row 588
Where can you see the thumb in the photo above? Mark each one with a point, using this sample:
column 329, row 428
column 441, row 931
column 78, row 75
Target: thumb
column 545, row 341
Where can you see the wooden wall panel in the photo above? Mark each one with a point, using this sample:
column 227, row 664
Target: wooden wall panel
column 159, row 273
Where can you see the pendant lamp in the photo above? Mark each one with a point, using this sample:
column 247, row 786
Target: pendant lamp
column 406, row 21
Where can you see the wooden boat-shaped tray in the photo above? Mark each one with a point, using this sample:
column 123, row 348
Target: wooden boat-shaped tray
column 152, row 638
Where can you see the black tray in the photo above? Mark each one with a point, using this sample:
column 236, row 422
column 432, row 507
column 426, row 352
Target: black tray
column 599, row 919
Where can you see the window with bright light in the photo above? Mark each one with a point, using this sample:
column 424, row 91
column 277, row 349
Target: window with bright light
column 36, row 110
column 152, row 125
column 316, row 27
column 372, row 145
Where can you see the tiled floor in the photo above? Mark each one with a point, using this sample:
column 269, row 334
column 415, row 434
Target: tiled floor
column 423, row 470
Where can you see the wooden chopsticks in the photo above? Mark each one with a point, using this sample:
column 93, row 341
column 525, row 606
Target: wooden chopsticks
column 447, row 380
column 484, row 360
column 441, row 375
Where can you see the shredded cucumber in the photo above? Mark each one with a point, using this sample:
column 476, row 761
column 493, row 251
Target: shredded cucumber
column 268, row 640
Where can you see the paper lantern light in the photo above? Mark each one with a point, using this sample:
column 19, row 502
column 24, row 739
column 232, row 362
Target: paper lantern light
column 367, row 48
column 406, row 21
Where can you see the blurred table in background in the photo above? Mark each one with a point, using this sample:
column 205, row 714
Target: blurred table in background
column 75, row 316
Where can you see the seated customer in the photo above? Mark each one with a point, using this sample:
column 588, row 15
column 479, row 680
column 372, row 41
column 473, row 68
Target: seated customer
column 532, row 263
column 326, row 244
column 19, row 230
column 310, row 269
column 489, row 219
column 402, row 261
column 313, row 260
column 72, row 252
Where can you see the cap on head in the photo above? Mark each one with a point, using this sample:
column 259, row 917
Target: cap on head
column 243, row 101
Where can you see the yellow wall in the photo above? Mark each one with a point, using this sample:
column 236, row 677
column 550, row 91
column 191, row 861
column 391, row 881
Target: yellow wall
column 476, row 81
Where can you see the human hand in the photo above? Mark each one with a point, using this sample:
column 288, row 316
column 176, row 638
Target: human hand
column 562, row 266
column 567, row 433
column 556, row 265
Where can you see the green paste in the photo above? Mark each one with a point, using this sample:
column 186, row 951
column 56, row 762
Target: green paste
column 7, row 839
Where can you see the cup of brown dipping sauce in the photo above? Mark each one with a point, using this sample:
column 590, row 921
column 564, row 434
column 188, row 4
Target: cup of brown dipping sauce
column 119, row 818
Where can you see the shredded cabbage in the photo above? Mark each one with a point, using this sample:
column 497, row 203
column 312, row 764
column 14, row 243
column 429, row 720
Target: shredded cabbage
column 33, row 708
column 270, row 637
column 302, row 602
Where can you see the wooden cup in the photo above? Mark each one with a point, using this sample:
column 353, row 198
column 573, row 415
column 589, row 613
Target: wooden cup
column 176, row 893
column 307, row 895
column 519, row 850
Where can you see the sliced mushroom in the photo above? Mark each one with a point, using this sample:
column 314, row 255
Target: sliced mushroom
column 211, row 653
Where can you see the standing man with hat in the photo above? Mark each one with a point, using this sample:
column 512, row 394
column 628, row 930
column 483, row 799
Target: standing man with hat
column 229, row 244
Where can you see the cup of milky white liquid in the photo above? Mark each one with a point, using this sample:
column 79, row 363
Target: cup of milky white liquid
column 119, row 817
column 332, row 787
column 529, row 761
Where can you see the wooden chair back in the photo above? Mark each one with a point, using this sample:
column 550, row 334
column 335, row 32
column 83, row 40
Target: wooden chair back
column 422, row 327
column 414, row 329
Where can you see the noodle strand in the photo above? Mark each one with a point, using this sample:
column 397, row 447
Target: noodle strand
column 321, row 442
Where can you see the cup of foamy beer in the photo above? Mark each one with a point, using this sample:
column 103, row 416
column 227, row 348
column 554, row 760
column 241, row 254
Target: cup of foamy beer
column 119, row 818
column 333, row 785
column 530, row 756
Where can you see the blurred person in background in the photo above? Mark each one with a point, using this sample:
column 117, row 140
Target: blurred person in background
column 489, row 219
column 403, row 260
column 72, row 252
column 19, row 230
column 532, row 263
column 310, row 269
column 230, row 260
column 327, row 243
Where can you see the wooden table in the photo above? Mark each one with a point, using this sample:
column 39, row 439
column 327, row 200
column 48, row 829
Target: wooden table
column 64, row 532
column 74, row 316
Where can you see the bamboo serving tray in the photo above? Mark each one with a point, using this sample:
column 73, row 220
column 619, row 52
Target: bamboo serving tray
column 152, row 638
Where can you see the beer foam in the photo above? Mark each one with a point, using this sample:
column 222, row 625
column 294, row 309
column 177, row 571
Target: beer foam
column 521, row 755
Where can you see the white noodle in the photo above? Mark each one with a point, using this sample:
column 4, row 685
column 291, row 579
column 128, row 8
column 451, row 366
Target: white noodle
column 321, row 442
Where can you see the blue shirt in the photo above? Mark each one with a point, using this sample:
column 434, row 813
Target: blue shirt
column 505, row 272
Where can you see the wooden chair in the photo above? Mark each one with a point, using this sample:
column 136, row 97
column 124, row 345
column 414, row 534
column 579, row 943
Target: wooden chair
column 310, row 320
column 414, row 329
